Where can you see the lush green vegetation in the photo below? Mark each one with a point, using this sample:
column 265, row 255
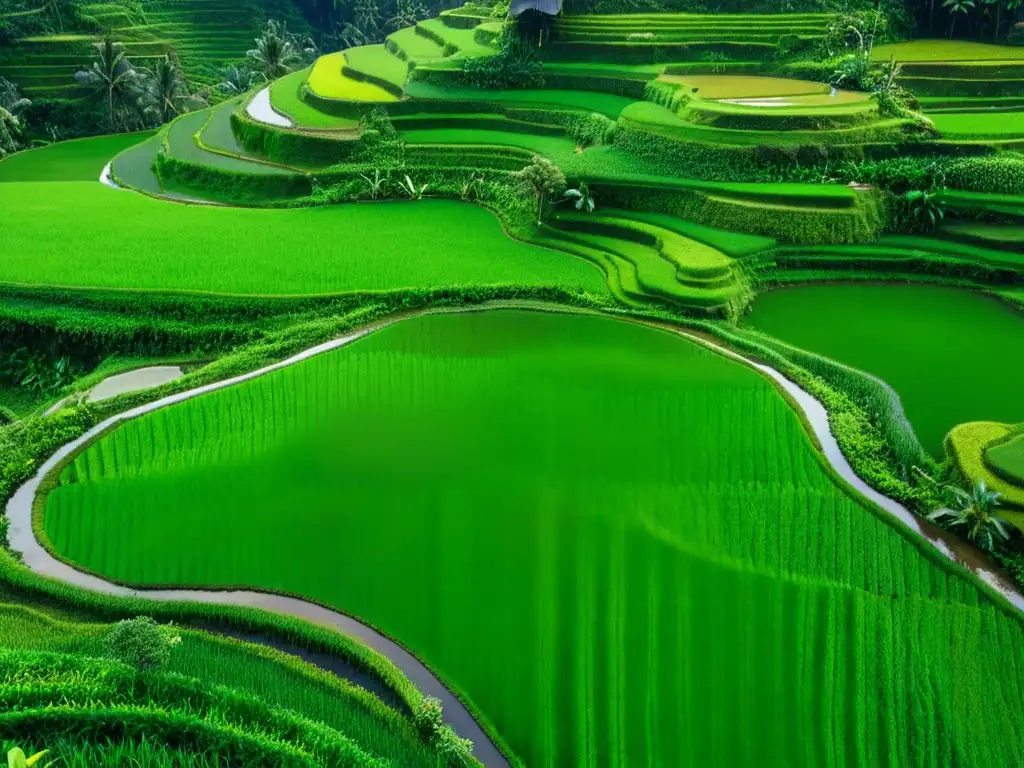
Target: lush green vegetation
column 578, row 548
column 343, row 249
column 280, row 680
column 641, row 493
column 968, row 444
column 906, row 335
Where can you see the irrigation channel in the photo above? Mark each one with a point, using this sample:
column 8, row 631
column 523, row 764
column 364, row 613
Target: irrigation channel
column 261, row 109
column 23, row 540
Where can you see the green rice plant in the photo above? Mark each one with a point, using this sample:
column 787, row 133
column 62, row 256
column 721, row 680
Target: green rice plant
column 652, row 494
column 128, row 241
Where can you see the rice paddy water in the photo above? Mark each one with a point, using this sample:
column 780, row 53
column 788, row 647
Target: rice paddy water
column 621, row 547
column 949, row 353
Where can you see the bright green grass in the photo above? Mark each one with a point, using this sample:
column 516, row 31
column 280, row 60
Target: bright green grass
column 945, row 50
column 979, row 125
column 129, row 241
column 463, row 39
column 284, row 95
column 915, row 338
column 987, row 232
column 621, row 547
column 378, row 61
column 551, row 146
column 327, row 80
column 1008, row 458
column 950, row 248
column 75, row 160
column 603, row 103
column 735, row 244
column 417, row 48
column 277, row 680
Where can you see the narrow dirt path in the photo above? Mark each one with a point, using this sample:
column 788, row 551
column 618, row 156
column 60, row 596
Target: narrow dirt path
column 23, row 540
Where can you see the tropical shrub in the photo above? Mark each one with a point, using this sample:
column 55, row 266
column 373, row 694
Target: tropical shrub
column 540, row 179
column 919, row 211
column 589, row 128
column 142, row 643
column 11, row 107
column 972, row 510
column 514, row 66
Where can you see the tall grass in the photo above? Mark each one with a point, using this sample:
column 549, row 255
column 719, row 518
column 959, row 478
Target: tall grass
column 619, row 546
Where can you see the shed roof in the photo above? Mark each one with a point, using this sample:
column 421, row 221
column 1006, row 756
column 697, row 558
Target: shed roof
column 550, row 7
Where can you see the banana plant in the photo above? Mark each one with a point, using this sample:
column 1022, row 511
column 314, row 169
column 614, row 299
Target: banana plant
column 583, row 196
column 16, row 759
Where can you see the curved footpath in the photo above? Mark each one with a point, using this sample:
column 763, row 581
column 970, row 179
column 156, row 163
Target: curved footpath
column 23, row 540
column 261, row 109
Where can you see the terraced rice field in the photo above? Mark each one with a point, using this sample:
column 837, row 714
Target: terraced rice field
column 276, row 679
column 128, row 241
column 1008, row 458
column 328, row 80
column 621, row 547
column 284, row 95
column 602, row 103
column 916, row 338
column 946, row 51
column 972, row 125
column 740, row 86
column 76, row 160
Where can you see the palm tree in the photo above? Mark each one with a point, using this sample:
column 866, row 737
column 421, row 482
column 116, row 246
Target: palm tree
column 955, row 7
column 164, row 93
column 975, row 513
column 10, row 122
column 971, row 509
column 274, row 54
column 236, row 80
column 111, row 72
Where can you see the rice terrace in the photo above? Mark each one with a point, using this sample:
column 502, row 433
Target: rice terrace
column 532, row 383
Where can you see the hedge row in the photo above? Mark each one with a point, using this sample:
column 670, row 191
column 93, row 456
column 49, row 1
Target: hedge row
column 948, row 268
column 859, row 223
column 224, row 184
column 291, row 147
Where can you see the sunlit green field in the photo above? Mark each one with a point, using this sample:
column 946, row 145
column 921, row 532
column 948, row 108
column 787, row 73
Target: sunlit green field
column 621, row 547
column 77, row 160
column 121, row 240
column 924, row 341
